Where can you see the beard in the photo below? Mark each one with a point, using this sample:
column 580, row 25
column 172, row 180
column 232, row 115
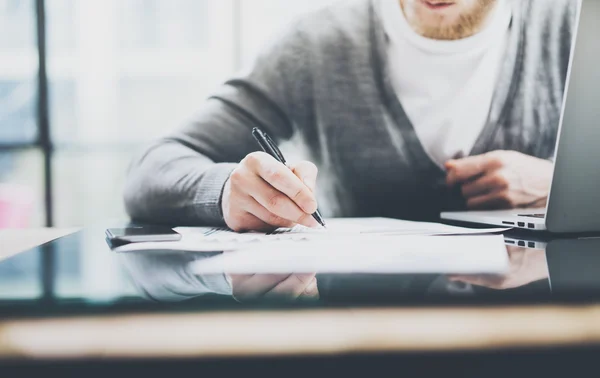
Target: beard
column 468, row 23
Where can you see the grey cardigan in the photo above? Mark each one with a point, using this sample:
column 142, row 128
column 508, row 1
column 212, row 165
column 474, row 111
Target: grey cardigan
column 325, row 84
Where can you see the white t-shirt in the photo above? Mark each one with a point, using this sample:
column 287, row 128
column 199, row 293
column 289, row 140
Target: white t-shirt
column 445, row 87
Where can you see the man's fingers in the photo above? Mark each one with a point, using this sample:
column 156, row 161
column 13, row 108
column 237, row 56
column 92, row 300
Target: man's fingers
column 491, row 201
column 249, row 222
column 468, row 168
column 277, row 203
column 274, row 221
column 486, row 184
column 307, row 172
column 271, row 192
column 284, row 180
column 465, row 169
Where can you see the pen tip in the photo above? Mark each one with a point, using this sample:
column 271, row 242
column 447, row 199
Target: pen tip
column 319, row 218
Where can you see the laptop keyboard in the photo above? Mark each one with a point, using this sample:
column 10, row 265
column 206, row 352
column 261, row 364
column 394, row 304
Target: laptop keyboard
column 538, row 216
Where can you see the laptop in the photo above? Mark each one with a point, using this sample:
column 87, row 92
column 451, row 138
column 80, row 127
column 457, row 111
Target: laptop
column 574, row 199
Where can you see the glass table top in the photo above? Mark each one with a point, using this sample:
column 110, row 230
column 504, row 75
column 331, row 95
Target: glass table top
column 80, row 274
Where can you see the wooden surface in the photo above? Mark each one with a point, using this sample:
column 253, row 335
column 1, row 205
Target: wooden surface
column 284, row 333
column 16, row 241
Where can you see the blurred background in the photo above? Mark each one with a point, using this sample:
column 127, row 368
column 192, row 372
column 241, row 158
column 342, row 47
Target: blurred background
column 119, row 74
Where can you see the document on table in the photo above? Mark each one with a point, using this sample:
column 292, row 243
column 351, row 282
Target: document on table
column 210, row 239
column 478, row 254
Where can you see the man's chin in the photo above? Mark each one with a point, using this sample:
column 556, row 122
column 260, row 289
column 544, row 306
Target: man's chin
column 448, row 33
column 438, row 29
column 446, row 26
column 434, row 23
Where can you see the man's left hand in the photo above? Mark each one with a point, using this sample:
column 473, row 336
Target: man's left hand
column 501, row 180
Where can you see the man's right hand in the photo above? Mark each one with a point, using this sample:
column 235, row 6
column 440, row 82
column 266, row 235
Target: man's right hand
column 263, row 194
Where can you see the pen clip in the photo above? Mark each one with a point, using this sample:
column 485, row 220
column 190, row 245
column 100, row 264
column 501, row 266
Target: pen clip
column 263, row 142
column 275, row 148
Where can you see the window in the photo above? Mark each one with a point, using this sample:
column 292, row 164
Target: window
column 120, row 74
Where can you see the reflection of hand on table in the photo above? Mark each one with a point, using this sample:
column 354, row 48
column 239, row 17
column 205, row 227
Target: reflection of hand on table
column 526, row 266
column 274, row 286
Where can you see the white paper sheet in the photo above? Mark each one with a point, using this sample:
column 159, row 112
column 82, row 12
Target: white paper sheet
column 210, row 239
column 481, row 254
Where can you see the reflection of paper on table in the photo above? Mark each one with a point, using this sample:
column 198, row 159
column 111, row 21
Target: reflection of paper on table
column 211, row 239
column 481, row 254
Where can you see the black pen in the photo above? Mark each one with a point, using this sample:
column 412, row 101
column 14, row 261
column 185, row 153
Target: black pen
column 269, row 146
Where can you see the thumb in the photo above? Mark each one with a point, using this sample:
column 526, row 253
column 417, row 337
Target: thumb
column 307, row 172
